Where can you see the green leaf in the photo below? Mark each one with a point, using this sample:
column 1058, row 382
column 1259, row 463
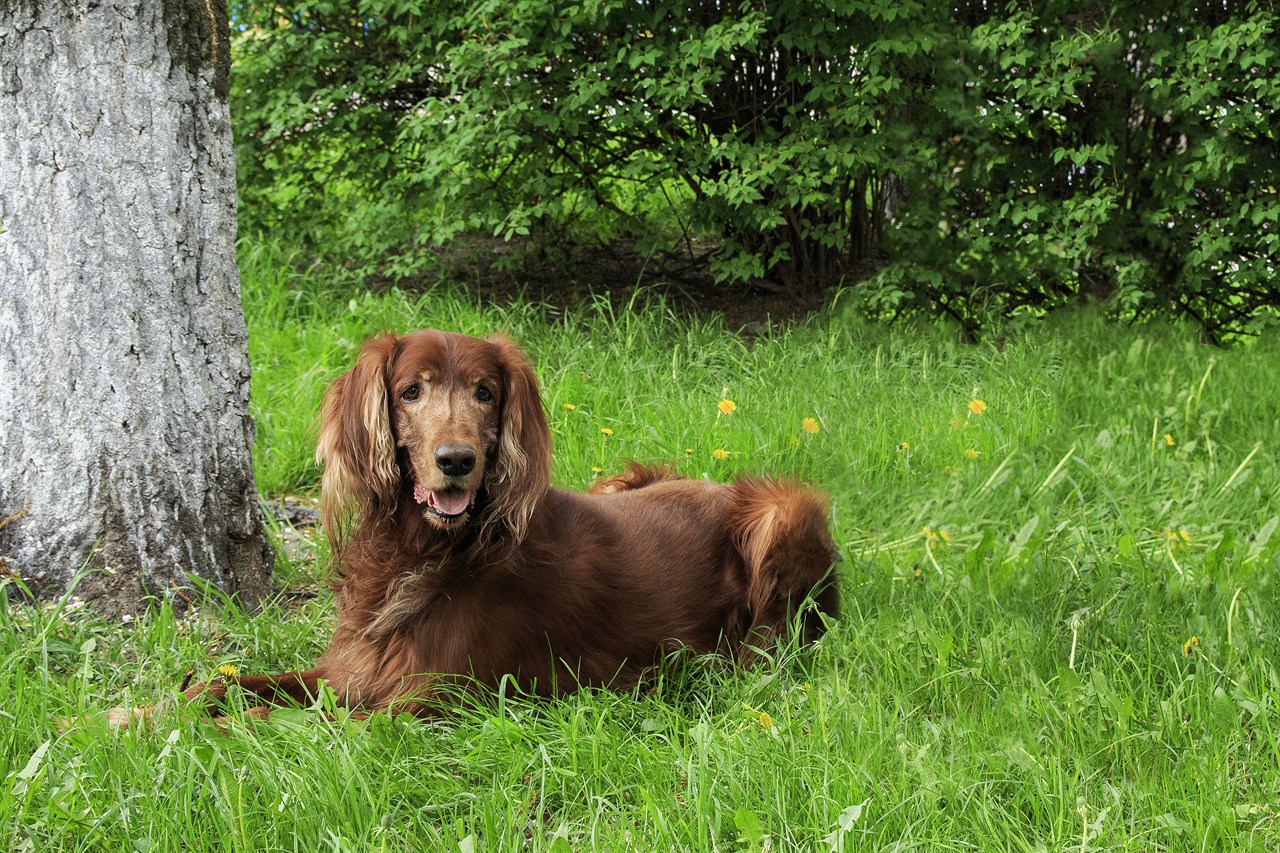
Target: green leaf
column 750, row 827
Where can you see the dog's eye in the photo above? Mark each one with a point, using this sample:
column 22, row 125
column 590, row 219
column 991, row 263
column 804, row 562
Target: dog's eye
column 410, row 394
column 483, row 394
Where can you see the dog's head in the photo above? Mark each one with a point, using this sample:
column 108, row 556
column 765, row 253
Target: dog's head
column 452, row 423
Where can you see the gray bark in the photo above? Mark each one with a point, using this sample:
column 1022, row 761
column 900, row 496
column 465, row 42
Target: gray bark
column 124, row 374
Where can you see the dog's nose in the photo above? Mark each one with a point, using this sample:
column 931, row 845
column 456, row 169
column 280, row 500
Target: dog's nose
column 455, row 460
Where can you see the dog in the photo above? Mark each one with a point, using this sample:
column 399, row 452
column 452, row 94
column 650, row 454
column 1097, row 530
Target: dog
column 457, row 564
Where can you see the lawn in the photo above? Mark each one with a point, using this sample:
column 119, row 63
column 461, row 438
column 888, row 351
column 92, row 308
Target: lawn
column 1059, row 583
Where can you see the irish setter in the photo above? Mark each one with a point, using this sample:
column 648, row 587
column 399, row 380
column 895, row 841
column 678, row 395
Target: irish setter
column 458, row 563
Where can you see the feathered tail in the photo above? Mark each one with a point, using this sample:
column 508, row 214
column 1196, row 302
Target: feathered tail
column 782, row 531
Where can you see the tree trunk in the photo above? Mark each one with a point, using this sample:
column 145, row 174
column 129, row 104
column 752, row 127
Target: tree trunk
column 124, row 374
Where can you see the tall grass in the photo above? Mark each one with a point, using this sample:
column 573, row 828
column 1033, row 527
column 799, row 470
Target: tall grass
column 1060, row 618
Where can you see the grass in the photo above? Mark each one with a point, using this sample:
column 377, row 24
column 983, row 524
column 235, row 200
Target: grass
column 1060, row 626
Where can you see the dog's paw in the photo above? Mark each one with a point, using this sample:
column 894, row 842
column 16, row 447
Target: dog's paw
column 116, row 719
column 206, row 694
column 124, row 718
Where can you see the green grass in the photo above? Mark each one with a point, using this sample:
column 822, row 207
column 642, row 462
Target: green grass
column 1015, row 668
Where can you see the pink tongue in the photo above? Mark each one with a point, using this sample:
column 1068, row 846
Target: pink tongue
column 448, row 503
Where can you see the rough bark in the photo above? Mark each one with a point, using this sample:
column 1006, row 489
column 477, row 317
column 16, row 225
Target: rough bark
column 124, row 375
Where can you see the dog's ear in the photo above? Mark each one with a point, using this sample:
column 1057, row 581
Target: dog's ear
column 522, row 470
column 355, row 444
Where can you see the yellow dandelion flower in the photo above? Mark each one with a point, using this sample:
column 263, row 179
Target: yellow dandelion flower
column 1168, row 440
column 904, row 446
column 720, row 453
column 944, row 535
column 765, row 720
column 971, row 453
column 1185, row 537
column 1189, row 645
column 727, row 406
column 596, row 469
column 929, row 534
column 606, row 430
column 977, row 406
column 688, row 450
column 570, row 406
column 229, row 670
column 810, row 425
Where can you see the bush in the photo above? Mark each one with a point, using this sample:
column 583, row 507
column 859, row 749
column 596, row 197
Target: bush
column 1119, row 151
column 1002, row 161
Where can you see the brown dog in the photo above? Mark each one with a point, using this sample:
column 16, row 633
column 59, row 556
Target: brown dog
column 456, row 562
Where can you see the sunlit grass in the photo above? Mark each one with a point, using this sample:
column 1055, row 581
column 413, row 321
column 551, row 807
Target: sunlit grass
column 1060, row 627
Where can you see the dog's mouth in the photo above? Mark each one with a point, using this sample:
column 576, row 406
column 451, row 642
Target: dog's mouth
column 447, row 504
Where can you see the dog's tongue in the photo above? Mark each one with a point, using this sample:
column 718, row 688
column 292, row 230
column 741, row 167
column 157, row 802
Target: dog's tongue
column 448, row 503
column 452, row 502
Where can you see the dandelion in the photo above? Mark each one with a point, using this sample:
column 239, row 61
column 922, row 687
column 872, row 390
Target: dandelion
column 597, row 470
column 606, row 431
column 977, row 406
column 570, row 406
column 1189, row 645
column 971, row 453
column 727, row 406
column 720, row 454
column 810, row 425
column 765, row 721
column 229, row 670
column 688, row 450
column 904, row 446
column 1168, row 440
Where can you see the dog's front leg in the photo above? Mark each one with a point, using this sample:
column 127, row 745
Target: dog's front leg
column 263, row 691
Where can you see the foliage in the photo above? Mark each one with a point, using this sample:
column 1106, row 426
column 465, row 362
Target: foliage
column 1004, row 158
column 1113, row 151
column 515, row 117
column 1059, row 627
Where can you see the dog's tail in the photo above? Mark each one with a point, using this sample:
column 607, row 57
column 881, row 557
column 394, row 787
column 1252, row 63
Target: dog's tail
column 782, row 531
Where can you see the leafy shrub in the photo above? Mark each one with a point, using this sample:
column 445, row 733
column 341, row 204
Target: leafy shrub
column 1003, row 160
column 1118, row 151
